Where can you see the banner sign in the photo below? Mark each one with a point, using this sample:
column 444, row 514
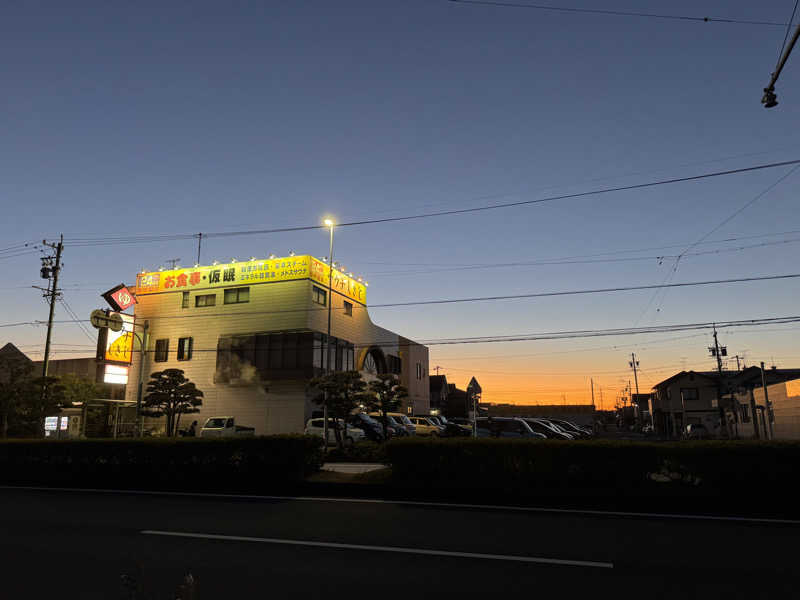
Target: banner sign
column 249, row 273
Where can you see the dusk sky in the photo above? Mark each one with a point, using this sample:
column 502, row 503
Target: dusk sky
column 185, row 117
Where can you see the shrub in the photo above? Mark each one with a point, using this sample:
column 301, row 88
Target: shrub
column 366, row 452
column 196, row 464
column 530, row 466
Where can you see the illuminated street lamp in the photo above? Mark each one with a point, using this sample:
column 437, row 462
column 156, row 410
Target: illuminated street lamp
column 330, row 225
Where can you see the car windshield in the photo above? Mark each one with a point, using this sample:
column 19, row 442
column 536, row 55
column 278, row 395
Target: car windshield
column 367, row 419
column 215, row 423
column 405, row 420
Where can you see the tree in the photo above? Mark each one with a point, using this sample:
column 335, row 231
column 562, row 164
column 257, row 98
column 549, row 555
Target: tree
column 15, row 381
column 385, row 396
column 42, row 397
column 342, row 392
column 171, row 394
column 78, row 389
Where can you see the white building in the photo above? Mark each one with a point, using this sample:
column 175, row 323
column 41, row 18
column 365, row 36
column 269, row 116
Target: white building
column 252, row 334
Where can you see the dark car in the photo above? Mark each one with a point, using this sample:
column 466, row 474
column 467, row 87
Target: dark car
column 571, row 428
column 505, row 427
column 546, row 430
column 372, row 429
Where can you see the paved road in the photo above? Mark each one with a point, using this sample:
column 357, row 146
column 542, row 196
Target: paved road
column 56, row 544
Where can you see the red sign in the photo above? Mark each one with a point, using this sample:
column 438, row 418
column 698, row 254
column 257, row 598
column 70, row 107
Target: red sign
column 120, row 298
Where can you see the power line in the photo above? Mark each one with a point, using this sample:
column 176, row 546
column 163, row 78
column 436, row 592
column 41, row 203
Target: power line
column 462, row 300
column 616, row 13
column 788, row 28
column 79, row 242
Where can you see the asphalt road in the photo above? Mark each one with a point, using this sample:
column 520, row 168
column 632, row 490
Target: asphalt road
column 56, row 544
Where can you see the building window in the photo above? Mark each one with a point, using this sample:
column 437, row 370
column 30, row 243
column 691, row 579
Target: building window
column 185, row 300
column 319, row 296
column 348, row 308
column 419, row 370
column 162, row 350
column 745, row 413
column 185, row 348
column 237, row 295
column 205, row 300
column 689, row 394
column 395, row 364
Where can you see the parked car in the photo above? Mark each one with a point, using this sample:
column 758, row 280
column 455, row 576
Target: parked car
column 397, row 428
column 570, row 427
column 547, row 429
column 505, row 427
column 371, row 428
column 697, row 431
column 225, row 427
column 317, row 427
column 462, row 422
column 404, row 421
column 425, row 426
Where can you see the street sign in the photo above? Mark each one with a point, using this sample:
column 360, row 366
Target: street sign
column 119, row 298
column 99, row 319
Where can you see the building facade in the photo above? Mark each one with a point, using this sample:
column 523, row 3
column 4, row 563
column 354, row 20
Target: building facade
column 688, row 397
column 252, row 334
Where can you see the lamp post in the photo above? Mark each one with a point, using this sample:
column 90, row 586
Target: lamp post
column 329, row 224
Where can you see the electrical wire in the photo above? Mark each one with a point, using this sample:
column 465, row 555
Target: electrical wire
column 616, row 13
column 82, row 242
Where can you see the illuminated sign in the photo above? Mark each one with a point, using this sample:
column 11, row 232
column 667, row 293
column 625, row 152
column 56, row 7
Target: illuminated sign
column 119, row 344
column 51, row 423
column 115, row 374
column 249, row 273
column 64, row 423
column 119, row 298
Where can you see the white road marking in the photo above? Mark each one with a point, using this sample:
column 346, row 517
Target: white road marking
column 494, row 507
column 397, row 549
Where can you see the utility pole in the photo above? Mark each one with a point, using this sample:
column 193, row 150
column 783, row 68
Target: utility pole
column 51, row 266
column 592, row 382
column 437, row 369
column 199, row 245
column 718, row 352
column 769, row 99
column 768, row 415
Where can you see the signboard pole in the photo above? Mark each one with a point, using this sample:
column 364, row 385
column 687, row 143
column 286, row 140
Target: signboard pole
column 142, row 346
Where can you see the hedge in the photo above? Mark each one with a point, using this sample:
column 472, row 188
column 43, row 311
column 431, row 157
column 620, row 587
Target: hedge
column 534, row 466
column 192, row 464
column 360, row 452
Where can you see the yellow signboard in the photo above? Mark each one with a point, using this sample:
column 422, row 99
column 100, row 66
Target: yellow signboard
column 248, row 273
column 119, row 344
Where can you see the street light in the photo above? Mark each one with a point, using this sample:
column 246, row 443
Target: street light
column 329, row 224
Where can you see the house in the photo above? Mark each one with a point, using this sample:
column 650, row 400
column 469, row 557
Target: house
column 688, row 397
column 438, row 393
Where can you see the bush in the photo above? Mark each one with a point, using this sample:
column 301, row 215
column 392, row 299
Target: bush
column 196, row 464
column 532, row 466
column 361, row 452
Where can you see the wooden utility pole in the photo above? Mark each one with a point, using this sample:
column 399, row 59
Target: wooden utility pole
column 768, row 412
column 50, row 268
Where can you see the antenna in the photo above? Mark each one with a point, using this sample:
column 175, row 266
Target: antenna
column 174, row 262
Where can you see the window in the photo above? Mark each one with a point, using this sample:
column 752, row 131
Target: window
column 348, row 308
column 185, row 348
column 162, row 350
column 205, row 300
column 419, row 370
column 689, row 394
column 745, row 413
column 319, row 296
column 237, row 295
column 185, row 300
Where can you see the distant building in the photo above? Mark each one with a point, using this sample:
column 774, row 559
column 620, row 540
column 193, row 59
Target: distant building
column 438, row 394
column 688, row 397
column 783, row 391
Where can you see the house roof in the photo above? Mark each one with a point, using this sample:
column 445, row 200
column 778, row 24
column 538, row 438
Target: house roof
column 710, row 375
column 11, row 352
column 751, row 376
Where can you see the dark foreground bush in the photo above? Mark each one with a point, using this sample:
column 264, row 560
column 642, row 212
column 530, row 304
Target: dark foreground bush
column 361, row 452
column 196, row 464
column 531, row 467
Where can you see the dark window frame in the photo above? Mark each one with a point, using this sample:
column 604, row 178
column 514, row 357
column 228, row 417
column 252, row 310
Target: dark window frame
column 348, row 308
column 161, row 352
column 185, row 347
column 185, row 300
column 317, row 293
column 201, row 300
column 228, row 292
